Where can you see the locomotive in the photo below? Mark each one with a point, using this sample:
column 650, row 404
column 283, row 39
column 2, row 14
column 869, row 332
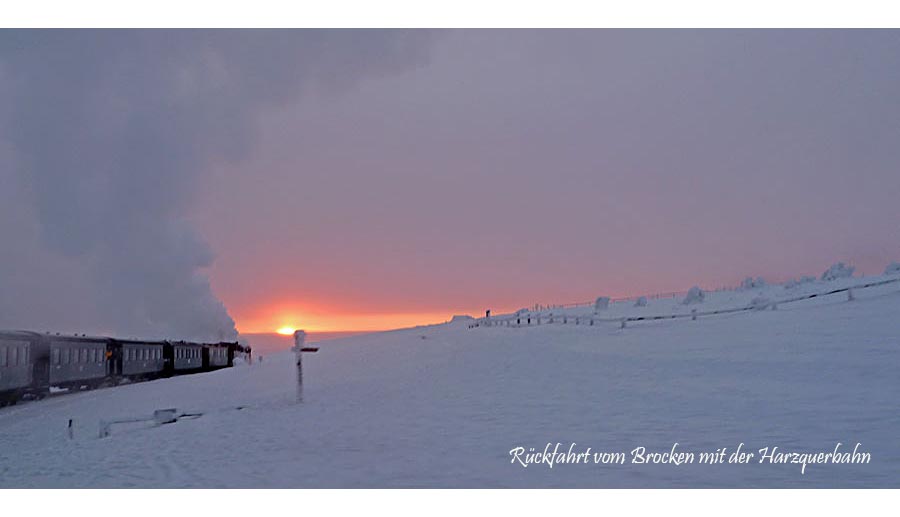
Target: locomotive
column 31, row 363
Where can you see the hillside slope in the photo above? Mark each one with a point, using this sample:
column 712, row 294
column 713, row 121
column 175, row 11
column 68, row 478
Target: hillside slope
column 443, row 406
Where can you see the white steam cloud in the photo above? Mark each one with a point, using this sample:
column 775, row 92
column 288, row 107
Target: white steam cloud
column 105, row 137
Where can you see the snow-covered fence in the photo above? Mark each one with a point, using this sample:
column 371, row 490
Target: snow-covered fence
column 755, row 305
column 654, row 296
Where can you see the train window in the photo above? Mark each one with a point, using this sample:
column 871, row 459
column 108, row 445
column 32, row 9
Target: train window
column 83, row 355
column 2, row 356
column 25, row 353
column 54, row 356
column 13, row 356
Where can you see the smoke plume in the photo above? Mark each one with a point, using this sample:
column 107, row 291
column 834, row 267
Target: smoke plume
column 105, row 139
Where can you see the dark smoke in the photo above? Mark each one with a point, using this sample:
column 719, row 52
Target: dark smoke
column 105, row 138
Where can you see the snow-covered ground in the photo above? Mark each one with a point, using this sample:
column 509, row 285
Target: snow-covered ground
column 443, row 406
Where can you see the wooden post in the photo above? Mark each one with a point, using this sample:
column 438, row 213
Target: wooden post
column 694, row 314
column 623, row 322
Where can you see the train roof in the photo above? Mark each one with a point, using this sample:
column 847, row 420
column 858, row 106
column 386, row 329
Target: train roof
column 140, row 341
column 30, row 334
column 82, row 338
column 185, row 343
column 18, row 334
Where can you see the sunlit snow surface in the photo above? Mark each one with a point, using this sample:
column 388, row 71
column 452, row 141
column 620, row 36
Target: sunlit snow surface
column 442, row 406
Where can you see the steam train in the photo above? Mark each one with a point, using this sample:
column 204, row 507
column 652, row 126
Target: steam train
column 32, row 363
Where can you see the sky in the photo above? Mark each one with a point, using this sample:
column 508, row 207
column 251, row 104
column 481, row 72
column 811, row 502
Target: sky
column 202, row 183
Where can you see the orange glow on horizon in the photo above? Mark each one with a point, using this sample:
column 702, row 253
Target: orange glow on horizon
column 285, row 319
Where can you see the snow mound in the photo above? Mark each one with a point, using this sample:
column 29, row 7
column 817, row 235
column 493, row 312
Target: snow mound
column 796, row 282
column 760, row 303
column 892, row 269
column 601, row 303
column 839, row 270
column 753, row 283
column 641, row 302
column 694, row 295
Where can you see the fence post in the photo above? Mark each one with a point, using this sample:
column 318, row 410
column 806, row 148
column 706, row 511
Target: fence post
column 623, row 322
column 694, row 314
column 850, row 295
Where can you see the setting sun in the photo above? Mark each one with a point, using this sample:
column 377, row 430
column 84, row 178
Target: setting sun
column 286, row 331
